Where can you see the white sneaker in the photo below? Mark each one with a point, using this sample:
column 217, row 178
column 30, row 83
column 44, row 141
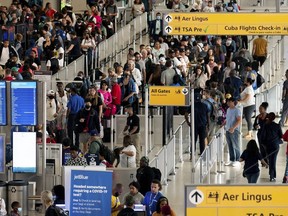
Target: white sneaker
column 235, row 163
column 228, row 163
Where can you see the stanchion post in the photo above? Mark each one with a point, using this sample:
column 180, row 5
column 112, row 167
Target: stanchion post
column 173, row 156
column 181, row 144
column 147, row 125
column 112, row 133
column 165, row 181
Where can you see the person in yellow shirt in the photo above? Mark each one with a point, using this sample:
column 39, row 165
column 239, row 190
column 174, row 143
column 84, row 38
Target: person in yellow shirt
column 259, row 51
column 162, row 202
column 115, row 201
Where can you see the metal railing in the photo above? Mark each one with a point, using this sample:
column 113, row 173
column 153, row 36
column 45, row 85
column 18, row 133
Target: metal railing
column 272, row 64
column 273, row 96
column 70, row 71
column 112, row 48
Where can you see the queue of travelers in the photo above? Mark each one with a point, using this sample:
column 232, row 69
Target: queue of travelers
column 222, row 71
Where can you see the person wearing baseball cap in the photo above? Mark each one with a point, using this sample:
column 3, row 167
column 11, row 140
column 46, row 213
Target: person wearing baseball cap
column 145, row 175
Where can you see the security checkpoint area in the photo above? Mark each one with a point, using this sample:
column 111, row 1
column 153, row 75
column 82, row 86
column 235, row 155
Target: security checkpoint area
column 194, row 181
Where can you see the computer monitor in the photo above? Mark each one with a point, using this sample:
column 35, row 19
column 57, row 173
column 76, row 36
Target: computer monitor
column 23, row 103
column 3, row 103
column 24, row 152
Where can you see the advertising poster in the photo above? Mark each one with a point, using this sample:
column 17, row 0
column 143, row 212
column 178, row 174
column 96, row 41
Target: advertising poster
column 90, row 193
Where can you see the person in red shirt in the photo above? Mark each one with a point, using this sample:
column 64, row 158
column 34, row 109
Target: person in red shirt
column 8, row 75
column 116, row 93
column 49, row 11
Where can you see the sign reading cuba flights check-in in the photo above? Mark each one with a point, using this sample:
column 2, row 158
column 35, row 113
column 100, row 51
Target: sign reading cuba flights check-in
column 169, row 96
column 90, row 193
column 238, row 200
column 225, row 24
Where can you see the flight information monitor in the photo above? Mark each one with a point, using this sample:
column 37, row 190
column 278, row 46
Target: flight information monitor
column 23, row 103
column 3, row 109
column 2, row 153
column 24, row 152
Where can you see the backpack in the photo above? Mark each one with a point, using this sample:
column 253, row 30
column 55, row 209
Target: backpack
column 229, row 88
column 59, row 211
column 214, row 112
column 54, row 65
column 221, row 116
column 108, row 154
column 157, row 173
column 259, row 80
column 181, row 81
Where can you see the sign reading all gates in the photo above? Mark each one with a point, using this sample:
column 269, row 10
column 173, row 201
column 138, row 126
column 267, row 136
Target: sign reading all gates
column 223, row 24
column 169, row 96
column 262, row 200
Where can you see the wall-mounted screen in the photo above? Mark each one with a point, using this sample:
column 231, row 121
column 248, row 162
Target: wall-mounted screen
column 23, row 103
column 3, row 104
column 24, row 152
column 2, row 153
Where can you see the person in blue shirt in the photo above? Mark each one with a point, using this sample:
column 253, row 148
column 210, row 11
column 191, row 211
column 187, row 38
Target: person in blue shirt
column 151, row 197
column 74, row 105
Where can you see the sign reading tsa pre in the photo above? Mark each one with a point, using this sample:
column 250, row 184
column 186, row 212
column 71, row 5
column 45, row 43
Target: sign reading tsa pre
column 169, row 96
column 90, row 193
column 253, row 200
column 222, row 24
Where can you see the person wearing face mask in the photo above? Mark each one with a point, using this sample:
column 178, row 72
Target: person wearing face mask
column 87, row 120
column 16, row 209
column 156, row 27
column 52, row 109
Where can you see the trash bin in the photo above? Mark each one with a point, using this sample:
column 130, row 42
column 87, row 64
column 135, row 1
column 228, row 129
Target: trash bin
column 3, row 191
column 18, row 191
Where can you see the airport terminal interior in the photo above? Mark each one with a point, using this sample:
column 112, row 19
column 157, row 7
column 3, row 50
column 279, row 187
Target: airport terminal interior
column 179, row 163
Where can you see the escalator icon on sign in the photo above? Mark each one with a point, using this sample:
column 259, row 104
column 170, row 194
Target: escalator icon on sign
column 196, row 197
column 185, row 91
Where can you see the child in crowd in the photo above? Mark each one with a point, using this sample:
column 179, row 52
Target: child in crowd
column 151, row 197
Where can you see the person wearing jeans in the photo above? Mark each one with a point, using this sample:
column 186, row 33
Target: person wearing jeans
column 272, row 137
column 248, row 102
column 232, row 128
column 251, row 155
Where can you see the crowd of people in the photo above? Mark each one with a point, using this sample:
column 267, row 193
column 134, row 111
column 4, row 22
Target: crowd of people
column 222, row 71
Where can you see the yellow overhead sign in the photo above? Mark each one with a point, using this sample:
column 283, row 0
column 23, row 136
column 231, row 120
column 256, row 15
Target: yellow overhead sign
column 168, row 96
column 236, row 200
column 226, row 24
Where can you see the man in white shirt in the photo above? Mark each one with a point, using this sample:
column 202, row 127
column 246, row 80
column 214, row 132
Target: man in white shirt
column 136, row 74
column 209, row 8
column 6, row 52
column 168, row 74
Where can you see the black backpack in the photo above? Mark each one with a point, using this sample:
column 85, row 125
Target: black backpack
column 157, row 173
column 181, row 81
column 59, row 211
column 54, row 65
column 108, row 154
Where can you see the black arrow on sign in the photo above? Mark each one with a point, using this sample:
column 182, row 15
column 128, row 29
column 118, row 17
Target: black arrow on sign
column 168, row 29
column 196, row 194
column 168, row 18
